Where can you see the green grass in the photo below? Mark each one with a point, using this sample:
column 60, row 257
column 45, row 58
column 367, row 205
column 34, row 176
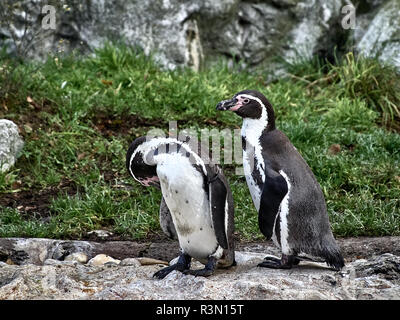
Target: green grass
column 86, row 111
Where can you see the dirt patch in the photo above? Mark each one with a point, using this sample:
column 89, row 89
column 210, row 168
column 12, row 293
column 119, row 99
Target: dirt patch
column 36, row 203
column 29, row 115
column 111, row 125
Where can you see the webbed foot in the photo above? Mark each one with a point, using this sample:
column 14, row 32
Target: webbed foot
column 286, row 262
column 207, row 271
column 182, row 265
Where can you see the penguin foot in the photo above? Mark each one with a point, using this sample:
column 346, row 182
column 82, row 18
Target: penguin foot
column 207, row 271
column 199, row 273
column 286, row 262
column 161, row 274
column 182, row 265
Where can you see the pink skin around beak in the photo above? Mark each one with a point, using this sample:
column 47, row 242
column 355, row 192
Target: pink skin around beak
column 232, row 105
column 238, row 104
column 236, row 107
column 149, row 181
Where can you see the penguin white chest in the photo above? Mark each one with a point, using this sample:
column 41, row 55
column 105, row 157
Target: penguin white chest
column 248, row 168
column 182, row 188
column 253, row 161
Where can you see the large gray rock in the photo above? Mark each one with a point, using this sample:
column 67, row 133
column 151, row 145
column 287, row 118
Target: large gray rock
column 381, row 38
column 191, row 33
column 167, row 28
column 259, row 34
column 10, row 144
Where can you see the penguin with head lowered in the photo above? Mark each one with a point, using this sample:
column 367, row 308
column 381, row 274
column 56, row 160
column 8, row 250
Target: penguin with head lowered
column 197, row 203
column 290, row 203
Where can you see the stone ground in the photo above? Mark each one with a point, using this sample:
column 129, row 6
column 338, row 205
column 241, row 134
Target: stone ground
column 49, row 269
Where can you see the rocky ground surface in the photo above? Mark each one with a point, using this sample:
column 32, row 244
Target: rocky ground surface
column 55, row 269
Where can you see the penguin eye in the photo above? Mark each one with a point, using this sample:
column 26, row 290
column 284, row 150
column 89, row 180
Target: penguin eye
column 246, row 101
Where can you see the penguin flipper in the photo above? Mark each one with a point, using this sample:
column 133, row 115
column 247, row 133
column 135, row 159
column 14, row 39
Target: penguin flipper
column 166, row 222
column 274, row 190
column 218, row 200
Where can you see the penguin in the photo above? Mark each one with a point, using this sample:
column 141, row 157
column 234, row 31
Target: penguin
column 289, row 200
column 197, row 205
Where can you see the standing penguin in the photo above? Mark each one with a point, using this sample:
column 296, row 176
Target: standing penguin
column 197, row 204
column 290, row 203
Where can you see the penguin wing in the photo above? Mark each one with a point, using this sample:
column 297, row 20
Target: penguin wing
column 218, row 208
column 166, row 222
column 274, row 190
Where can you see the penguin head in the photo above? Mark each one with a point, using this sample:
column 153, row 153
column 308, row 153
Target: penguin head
column 141, row 171
column 250, row 104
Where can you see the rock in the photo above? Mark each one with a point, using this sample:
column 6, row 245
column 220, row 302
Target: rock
column 102, row 259
column 200, row 33
column 360, row 279
column 101, row 234
column 246, row 257
column 314, row 30
column 79, row 257
column 36, row 251
column 381, row 38
column 9, row 261
column 53, row 262
column 387, row 265
column 10, row 144
column 59, row 250
column 150, row 261
column 131, row 262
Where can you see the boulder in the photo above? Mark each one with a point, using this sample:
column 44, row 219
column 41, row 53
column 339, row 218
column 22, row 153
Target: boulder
column 11, row 144
column 260, row 35
column 190, row 33
column 381, row 38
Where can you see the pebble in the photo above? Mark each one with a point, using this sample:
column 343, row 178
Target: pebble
column 78, row 257
column 130, row 262
column 53, row 262
column 150, row 261
column 102, row 259
column 102, row 234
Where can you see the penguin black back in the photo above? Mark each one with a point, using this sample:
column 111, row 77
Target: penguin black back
column 289, row 200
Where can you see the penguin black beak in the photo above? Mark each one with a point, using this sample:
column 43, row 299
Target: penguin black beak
column 226, row 104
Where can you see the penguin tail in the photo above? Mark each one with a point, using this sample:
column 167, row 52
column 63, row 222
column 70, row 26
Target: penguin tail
column 334, row 258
